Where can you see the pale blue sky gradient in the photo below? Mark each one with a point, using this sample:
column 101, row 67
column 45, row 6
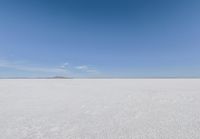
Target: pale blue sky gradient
column 113, row 38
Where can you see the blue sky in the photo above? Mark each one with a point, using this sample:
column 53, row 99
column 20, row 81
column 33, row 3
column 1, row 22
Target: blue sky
column 100, row 38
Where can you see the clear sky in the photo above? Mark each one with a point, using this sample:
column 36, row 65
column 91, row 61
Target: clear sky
column 113, row 38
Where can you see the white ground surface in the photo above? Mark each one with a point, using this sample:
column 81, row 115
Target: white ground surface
column 100, row 109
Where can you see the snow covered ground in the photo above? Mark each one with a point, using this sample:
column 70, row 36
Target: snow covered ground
column 100, row 109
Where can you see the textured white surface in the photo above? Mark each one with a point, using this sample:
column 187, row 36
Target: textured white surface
column 100, row 109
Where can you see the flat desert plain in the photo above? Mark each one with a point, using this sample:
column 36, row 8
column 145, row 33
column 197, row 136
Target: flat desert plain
column 100, row 109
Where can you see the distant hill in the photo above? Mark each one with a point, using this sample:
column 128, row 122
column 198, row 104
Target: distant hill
column 60, row 77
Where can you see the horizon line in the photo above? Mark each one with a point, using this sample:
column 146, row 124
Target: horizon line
column 63, row 77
